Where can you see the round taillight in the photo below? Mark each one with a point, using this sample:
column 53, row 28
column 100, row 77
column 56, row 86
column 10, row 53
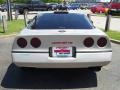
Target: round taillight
column 21, row 42
column 88, row 42
column 35, row 42
column 102, row 42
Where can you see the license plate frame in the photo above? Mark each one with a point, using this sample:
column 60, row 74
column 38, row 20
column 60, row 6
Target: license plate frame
column 62, row 52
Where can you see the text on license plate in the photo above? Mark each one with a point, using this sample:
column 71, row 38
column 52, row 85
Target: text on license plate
column 62, row 52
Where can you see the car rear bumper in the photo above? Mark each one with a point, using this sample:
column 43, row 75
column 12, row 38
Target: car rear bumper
column 42, row 60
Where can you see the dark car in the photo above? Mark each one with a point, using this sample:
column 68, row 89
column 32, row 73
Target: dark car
column 32, row 5
column 74, row 6
column 5, row 6
column 53, row 6
column 62, row 7
column 84, row 6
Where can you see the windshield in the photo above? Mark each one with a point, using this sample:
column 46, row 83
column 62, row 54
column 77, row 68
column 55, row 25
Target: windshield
column 62, row 21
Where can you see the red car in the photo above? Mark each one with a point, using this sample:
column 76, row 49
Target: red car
column 114, row 7
column 100, row 8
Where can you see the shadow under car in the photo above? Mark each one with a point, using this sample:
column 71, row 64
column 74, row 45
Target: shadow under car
column 48, row 78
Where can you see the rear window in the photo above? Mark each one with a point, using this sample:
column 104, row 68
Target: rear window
column 62, row 21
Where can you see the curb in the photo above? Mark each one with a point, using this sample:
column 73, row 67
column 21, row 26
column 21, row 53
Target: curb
column 5, row 36
column 115, row 41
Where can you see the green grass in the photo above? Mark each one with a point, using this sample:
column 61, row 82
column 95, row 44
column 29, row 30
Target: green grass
column 101, row 15
column 14, row 26
column 114, row 35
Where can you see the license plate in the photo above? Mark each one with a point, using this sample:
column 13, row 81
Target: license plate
column 62, row 52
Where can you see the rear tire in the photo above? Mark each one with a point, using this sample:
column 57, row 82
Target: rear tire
column 21, row 12
column 110, row 12
column 3, row 10
column 25, row 68
column 25, row 10
column 96, row 69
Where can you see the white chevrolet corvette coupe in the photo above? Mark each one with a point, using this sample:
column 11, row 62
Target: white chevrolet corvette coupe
column 61, row 40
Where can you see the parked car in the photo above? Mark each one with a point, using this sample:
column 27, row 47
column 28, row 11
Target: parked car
column 53, row 5
column 73, row 6
column 99, row 8
column 32, row 5
column 114, row 7
column 4, row 7
column 61, row 40
column 84, row 6
column 61, row 7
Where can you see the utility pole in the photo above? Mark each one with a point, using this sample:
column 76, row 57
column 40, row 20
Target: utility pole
column 11, row 10
column 107, row 26
column 9, row 14
column 64, row 2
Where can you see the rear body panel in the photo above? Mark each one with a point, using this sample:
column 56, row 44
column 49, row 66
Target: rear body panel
column 39, row 57
column 55, row 38
column 42, row 60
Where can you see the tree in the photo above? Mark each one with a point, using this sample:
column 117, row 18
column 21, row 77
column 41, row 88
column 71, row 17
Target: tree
column 20, row 1
column 23, row 1
column 46, row 1
column 2, row 1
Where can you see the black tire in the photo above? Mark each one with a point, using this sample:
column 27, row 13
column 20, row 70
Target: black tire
column 25, row 10
column 110, row 12
column 25, row 68
column 3, row 10
column 21, row 12
column 96, row 69
column 48, row 9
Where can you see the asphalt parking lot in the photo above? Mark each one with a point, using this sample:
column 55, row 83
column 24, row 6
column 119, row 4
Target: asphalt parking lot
column 13, row 78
